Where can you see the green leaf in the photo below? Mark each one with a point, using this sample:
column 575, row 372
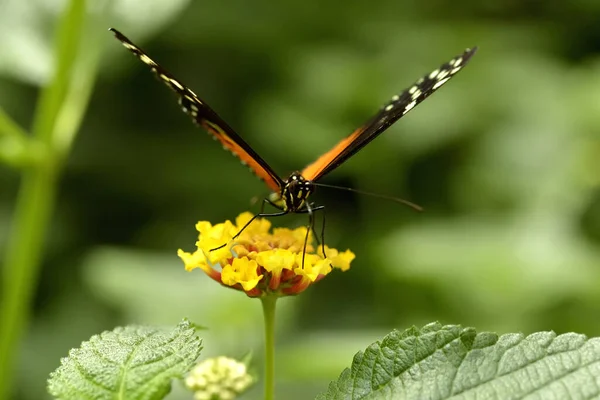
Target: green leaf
column 443, row 362
column 134, row 362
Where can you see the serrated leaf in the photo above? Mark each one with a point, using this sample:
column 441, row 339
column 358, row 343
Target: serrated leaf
column 450, row 362
column 134, row 362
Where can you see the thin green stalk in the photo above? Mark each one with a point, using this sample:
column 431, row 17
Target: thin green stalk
column 268, row 303
column 82, row 82
column 34, row 207
column 52, row 97
column 16, row 148
column 35, row 200
column 9, row 127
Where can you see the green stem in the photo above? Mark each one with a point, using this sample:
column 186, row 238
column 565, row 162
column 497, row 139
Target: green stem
column 36, row 198
column 268, row 303
column 16, row 147
column 9, row 127
column 34, row 207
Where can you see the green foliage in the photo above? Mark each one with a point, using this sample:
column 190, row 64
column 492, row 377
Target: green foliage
column 432, row 362
column 442, row 362
column 134, row 362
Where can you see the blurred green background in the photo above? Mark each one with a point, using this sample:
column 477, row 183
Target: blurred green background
column 504, row 159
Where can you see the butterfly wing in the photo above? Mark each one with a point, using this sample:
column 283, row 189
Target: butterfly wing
column 204, row 116
column 390, row 113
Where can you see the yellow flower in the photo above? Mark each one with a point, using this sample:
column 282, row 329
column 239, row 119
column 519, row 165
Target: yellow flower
column 260, row 261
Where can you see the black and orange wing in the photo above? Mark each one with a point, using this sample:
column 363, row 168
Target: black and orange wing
column 204, row 116
column 390, row 113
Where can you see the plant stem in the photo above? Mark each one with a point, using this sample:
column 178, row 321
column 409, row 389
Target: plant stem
column 34, row 207
column 36, row 198
column 9, row 127
column 268, row 303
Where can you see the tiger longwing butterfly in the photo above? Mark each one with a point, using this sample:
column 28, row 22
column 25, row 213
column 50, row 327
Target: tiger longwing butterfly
column 290, row 195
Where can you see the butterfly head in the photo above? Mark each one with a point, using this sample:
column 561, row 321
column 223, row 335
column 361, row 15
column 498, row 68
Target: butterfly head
column 295, row 192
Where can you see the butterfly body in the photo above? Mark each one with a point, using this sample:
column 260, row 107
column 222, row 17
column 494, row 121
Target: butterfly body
column 294, row 194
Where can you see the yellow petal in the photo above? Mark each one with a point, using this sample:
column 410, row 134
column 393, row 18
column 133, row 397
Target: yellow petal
column 259, row 225
column 192, row 261
column 340, row 260
column 212, row 237
column 313, row 270
column 276, row 260
column 242, row 271
column 313, row 266
column 196, row 260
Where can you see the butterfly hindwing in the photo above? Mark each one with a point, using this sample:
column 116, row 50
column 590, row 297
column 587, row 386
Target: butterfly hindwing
column 204, row 116
column 389, row 113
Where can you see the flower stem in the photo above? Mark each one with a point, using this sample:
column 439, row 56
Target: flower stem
column 268, row 303
column 35, row 201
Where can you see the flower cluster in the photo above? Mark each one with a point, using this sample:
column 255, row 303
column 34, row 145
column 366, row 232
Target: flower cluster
column 219, row 378
column 259, row 261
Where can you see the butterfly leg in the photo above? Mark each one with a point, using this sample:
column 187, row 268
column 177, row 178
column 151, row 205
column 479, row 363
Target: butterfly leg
column 321, row 238
column 261, row 214
column 323, row 233
column 268, row 201
column 311, row 226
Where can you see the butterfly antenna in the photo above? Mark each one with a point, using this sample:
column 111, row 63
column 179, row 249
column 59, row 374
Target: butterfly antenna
column 379, row 196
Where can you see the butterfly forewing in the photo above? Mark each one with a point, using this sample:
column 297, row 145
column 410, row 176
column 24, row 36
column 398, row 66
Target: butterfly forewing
column 204, row 116
column 390, row 113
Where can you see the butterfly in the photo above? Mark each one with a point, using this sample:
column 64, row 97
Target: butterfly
column 290, row 195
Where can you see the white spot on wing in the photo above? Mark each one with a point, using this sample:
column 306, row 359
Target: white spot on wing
column 409, row 107
column 442, row 74
column 176, row 84
column 440, row 83
column 147, row 60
